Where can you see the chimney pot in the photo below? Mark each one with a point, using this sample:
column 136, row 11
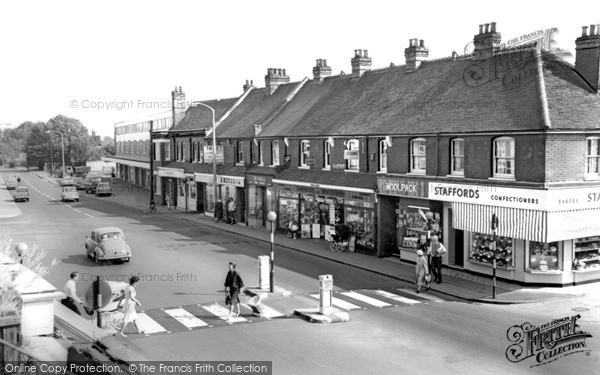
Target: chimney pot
column 584, row 31
column 480, row 29
column 366, row 53
column 252, row 82
column 283, row 71
column 422, row 43
column 324, row 62
column 493, row 27
column 598, row 29
column 487, row 28
column 592, row 30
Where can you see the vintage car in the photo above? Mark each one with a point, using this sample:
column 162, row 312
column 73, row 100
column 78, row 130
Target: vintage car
column 103, row 188
column 11, row 183
column 67, row 181
column 21, row 194
column 69, row 193
column 107, row 244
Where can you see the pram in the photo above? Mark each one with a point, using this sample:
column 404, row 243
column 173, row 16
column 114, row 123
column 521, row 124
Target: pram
column 340, row 238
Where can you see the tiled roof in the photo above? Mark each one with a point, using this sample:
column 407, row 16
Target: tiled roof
column 462, row 95
column 333, row 178
column 253, row 110
column 199, row 117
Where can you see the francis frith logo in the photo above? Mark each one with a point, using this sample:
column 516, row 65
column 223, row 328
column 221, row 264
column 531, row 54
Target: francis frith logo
column 548, row 342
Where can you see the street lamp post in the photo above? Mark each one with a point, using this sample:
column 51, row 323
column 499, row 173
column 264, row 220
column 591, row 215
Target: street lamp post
column 272, row 216
column 151, row 165
column 62, row 144
column 214, row 150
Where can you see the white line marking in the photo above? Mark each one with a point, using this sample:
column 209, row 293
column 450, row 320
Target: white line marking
column 340, row 303
column 76, row 210
column 89, row 215
column 186, row 318
column 396, row 297
column 366, row 299
column 222, row 313
column 266, row 311
column 149, row 325
column 422, row 295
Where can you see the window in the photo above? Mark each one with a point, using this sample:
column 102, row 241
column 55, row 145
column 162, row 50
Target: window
column 544, row 257
column 304, row 152
column 167, row 150
column 383, row 146
column 194, row 151
column 252, row 153
column 261, row 155
column 418, row 149
column 327, row 155
column 275, row 153
column 157, row 152
column 240, row 152
column 504, row 157
column 592, row 156
column 457, row 157
column 351, row 155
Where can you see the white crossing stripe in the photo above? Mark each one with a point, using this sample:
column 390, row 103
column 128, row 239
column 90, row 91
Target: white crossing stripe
column 266, row 311
column 340, row 303
column 149, row 325
column 186, row 318
column 366, row 299
column 222, row 313
column 396, row 297
column 89, row 215
column 421, row 295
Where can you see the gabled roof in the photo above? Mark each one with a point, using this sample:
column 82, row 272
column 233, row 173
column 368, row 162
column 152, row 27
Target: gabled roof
column 198, row 117
column 254, row 110
column 444, row 96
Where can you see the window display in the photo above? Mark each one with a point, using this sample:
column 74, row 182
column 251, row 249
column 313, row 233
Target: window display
column 415, row 221
column 543, row 256
column 361, row 221
column 484, row 250
column 255, row 202
column 587, row 254
column 288, row 211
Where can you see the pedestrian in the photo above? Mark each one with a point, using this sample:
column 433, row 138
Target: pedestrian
column 437, row 251
column 231, row 211
column 70, row 291
column 129, row 313
column 233, row 286
column 168, row 201
column 422, row 271
column 219, row 211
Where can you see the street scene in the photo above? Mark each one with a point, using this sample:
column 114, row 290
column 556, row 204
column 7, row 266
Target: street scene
column 310, row 208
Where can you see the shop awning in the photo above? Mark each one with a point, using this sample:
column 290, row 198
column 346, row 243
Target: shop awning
column 519, row 223
column 566, row 225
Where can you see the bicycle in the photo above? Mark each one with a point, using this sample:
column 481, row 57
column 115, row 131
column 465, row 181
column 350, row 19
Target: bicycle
column 340, row 238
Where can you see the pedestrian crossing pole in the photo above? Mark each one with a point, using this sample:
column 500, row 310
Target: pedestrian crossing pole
column 272, row 216
column 97, row 300
column 494, row 227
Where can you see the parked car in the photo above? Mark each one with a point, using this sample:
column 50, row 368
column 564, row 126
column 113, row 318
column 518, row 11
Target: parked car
column 107, row 244
column 103, row 188
column 67, row 181
column 69, row 193
column 21, row 194
column 91, row 183
column 11, row 183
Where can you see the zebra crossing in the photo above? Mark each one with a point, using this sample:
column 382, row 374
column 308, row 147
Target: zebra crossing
column 202, row 316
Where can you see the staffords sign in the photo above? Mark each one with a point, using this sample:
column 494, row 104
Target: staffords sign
column 489, row 195
column 402, row 188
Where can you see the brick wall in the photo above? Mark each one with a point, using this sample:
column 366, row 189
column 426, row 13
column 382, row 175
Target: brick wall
column 478, row 156
column 565, row 157
column 398, row 155
column 530, row 155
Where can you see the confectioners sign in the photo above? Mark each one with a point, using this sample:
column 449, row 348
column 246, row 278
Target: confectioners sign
column 402, row 187
column 489, row 195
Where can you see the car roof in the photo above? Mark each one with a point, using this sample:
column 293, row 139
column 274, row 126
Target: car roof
column 107, row 230
column 21, row 188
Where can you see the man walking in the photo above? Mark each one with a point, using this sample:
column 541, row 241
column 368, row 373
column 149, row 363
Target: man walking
column 70, row 291
column 437, row 251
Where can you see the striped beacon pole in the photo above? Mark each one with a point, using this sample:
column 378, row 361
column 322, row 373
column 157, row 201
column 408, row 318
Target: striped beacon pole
column 494, row 227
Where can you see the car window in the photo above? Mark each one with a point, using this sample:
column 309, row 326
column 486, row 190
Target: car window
column 110, row 235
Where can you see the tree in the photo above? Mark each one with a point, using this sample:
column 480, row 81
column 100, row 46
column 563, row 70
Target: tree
column 36, row 146
column 76, row 138
column 108, row 146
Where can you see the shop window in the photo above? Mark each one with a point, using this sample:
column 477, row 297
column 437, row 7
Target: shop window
column 484, row 250
column 592, row 157
column 255, row 202
column 457, row 157
column 304, row 152
column 587, row 254
column 275, row 153
column 181, row 189
column 383, row 149
column 415, row 222
column 417, row 156
column 261, row 155
column 361, row 220
column 327, row 155
column 351, row 154
column 504, row 157
column 543, row 257
column 239, row 152
column 288, row 211
column 192, row 187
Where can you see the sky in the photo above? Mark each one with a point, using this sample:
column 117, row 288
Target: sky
column 109, row 61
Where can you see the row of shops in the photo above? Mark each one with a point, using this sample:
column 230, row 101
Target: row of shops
column 543, row 237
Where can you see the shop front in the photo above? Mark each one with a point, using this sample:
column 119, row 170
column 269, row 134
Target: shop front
column 228, row 187
column 171, row 180
column 538, row 237
column 315, row 209
column 260, row 199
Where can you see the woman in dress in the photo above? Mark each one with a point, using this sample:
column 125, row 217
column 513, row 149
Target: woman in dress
column 129, row 313
column 422, row 270
column 233, row 286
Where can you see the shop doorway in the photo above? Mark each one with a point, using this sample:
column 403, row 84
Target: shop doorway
column 457, row 243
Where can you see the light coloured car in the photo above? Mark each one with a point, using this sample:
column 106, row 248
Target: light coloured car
column 107, row 243
column 11, row 183
column 21, row 194
column 69, row 193
column 67, row 181
column 103, row 188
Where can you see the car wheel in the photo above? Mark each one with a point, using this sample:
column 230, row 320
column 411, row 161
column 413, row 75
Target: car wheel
column 96, row 260
column 77, row 200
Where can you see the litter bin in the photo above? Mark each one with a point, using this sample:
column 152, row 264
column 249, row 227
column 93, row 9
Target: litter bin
column 264, row 269
column 325, row 294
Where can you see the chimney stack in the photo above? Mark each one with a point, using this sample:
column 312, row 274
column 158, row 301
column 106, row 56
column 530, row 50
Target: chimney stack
column 179, row 105
column 361, row 62
column 587, row 55
column 321, row 70
column 415, row 54
column 248, row 85
column 485, row 41
column 274, row 78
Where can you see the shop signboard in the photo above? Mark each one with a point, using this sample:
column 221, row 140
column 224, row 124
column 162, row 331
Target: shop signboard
column 489, row 195
column 230, row 181
column 572, row 199
column 309, row 161
column 170, row 172
column 260, row 180
column 402, row 187
column 351, row 154
column 208, row 154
